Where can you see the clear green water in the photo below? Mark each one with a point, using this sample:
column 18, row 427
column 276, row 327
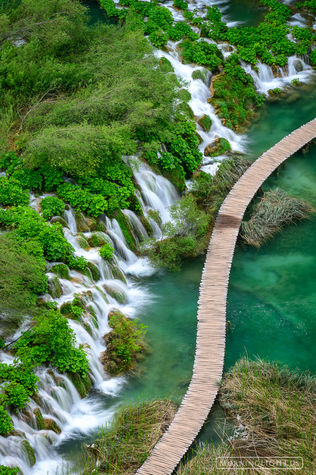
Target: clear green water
column 250, row 12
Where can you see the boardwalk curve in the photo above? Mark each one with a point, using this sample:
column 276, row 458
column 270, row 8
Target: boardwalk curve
column 211, row 316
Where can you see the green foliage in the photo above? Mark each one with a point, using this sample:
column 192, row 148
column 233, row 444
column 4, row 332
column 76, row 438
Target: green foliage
column 106, row 251
column 40, row 237
column 202, row 53
column 6, row 425
column 18, row 382
column 124, row 343
column 8, row 471
column 82, row 200
column 182, row 4
column 11, row 193
column 235, row 96
column 51, row 340
column 52, row 206
column 22, row 278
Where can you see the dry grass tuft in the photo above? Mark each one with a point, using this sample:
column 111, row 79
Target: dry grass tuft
column 275, row 210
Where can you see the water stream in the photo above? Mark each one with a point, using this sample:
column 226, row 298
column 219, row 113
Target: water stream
column 270, row 305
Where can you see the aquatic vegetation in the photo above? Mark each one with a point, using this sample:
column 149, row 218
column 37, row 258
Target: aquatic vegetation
column 124, row 344
column 273, row 211
column 135, row 429
column 276, row 408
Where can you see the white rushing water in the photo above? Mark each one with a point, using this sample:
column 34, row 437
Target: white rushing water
column 58, row 399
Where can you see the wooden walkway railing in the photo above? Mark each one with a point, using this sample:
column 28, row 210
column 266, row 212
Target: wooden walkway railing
column 210, row 340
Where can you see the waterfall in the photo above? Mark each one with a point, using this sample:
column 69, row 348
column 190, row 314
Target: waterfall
column 57, row 398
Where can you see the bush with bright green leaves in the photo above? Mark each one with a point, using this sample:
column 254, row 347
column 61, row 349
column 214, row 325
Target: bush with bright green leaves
column 182, row 4
column 51, row 341
column 52, row 206
column 4, row 470
column 202, row 53
column 40, row 237
column 11, row 193
column 106, row 251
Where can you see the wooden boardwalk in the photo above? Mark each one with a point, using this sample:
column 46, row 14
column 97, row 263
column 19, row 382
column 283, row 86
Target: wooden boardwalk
column 210, row 340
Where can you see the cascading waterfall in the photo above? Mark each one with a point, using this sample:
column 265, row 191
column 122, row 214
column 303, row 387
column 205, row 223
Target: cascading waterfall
column 57, row 398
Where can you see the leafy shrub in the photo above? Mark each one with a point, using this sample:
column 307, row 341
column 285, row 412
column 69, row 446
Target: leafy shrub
column 202, row 53
column 182, row 4
column 8, row 471
column 22, row 278
column 11, row 193
column 6, row 425
column 52, row 206
column 106, row 251
column 52, row 341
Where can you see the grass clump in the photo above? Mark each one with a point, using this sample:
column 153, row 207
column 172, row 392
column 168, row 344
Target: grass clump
column 122, row 447
column 125, row 344
column 107, row 251
column 277, row 410
column 275, row 210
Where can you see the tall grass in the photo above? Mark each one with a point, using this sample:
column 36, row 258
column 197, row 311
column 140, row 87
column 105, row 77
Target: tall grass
column 275, row 210
column 276, row 408
column 125, row 445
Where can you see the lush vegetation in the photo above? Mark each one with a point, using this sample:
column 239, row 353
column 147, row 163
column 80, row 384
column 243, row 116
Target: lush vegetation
column 124, row 344
column 273, row 211
column 49, row 341
column 135, row 430
column 22, row 279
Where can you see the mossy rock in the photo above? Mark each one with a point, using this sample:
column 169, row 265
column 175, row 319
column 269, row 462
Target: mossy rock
column 117, row 273
column 65, row 308
column 165, row 65
column 176, row 178
column 125, row 228
column 95, row 273
column 29, row 452
column 59, row 219
column 97, row 239
column 220, row 146
column 82, row 384
column 54, row 288
column 39, row 418
column 50, row 424
column 146, row 225
column 93, row 316
column 205, row 122
column 201, row 74
column 92, row 224
column 83, row 243
column 81, row 222
column 116, row 293
column 62, row 270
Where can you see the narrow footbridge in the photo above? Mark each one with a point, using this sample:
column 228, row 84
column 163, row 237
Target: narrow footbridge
column 210, row 340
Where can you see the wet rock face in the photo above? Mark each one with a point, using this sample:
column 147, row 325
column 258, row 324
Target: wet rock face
column 54, row 288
